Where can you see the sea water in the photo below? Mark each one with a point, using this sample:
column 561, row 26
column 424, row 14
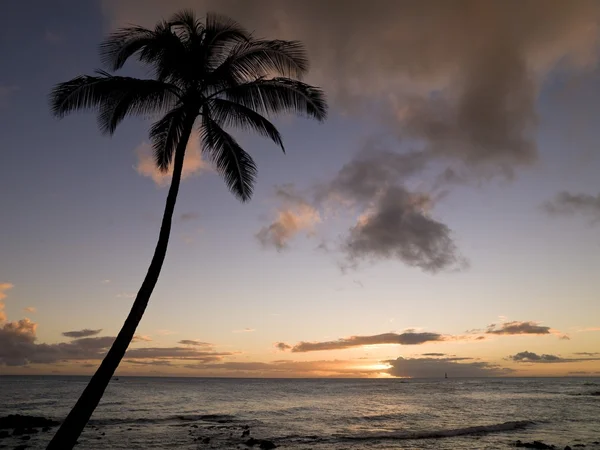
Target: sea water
column 199, row 413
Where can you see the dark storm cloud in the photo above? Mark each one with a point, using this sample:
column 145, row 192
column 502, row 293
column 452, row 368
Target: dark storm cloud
column 516, row 327
column 566, row 203
column 81, row 333
column 437, row 367
column 484, row 63
column 399, row 228
column 371, row 170
column 468, row 104
column 407, row 338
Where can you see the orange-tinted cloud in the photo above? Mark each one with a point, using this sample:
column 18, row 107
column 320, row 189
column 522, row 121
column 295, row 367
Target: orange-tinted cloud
column 192, row 165
column 293, row 216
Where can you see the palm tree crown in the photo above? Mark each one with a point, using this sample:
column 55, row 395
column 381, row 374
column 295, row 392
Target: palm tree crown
column 214, row 72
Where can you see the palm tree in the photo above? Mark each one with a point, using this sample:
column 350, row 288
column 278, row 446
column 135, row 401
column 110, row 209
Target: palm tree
column 207, row 76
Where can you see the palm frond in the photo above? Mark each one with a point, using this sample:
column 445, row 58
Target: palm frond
column 279, row 95
column 112, row 97
column 229, row 114
column 221, row 35
column 122, row 44
column 265, row 58
column 160, row 48
column 235, row 165
column 165, row 135
column 186, row 21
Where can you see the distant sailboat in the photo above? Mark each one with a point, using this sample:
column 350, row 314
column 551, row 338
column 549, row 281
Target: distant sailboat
column 445, row 374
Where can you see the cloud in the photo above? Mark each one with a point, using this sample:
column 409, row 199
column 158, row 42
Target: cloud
column 293, row 216
column 530, row 357
column 81, row 333
column 434, row 354
column 282, row 346
column 516, row 327
column 176, row 353
column 406, row 338
column 437, row 367
column 245, row 330
column 469, row 99
column 3, row 288
column 194, row 342
column 587, row 353
column 156, row 362
column 125, row 295
column 534, row 357
column 192, row 164
column 30, row 309
column 399, row 227
column 141, row 338
column 569, row 204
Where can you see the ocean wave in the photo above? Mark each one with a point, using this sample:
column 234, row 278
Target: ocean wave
column 215, row 418
column 407, row 435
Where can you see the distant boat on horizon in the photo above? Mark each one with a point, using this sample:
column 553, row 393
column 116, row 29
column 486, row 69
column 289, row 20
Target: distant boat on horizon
column 445, row 374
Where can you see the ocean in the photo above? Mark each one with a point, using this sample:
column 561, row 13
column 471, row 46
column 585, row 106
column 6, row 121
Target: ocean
column 357, row 414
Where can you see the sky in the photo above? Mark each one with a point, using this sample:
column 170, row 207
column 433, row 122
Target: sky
column 444, row 219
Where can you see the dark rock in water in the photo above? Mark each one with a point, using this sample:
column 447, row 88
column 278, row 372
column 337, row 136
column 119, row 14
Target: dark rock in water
column 206, row 440
column 19, row 421
column 25, row 438
column 102, row 434
column 596, row 393
column 18, row 431
column 568, row 448
column 129, row 429
column 246, row 427
column 579, row 445
column 4, row 434
column 535, row 444
column 21, row 447
column 46, row 429
column 245, row 433
column 263, row 444
column 31, row 431
column 194, row 426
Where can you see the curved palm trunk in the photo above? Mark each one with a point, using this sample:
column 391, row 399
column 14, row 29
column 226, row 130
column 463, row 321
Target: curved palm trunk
column 69, row 431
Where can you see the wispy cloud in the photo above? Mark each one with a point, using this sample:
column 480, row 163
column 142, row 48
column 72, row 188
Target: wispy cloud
column 568, row 204
column 195, row 343
column 30, row 309
column 141, row 338
column 125, row 295
column 282, row 346
column 244, row 330
column 192, row 165
column 3, row 288
column 188, row 216
column 294, row 215
column 81, row 333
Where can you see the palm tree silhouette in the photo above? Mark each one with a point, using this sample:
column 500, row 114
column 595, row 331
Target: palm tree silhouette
column 214, row 74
